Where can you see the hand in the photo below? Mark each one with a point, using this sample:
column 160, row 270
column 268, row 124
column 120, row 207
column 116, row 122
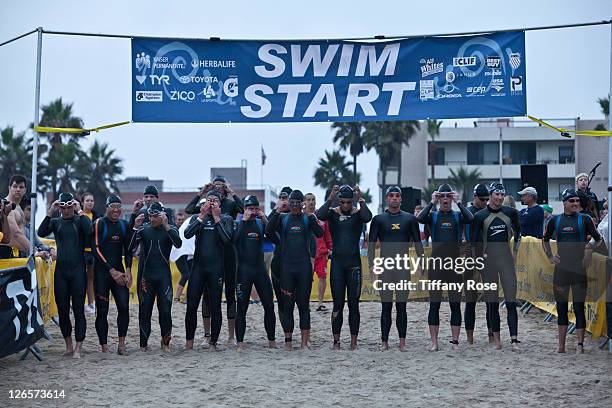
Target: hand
column 434, row 197
column 164, row 218
column 204, row 210
column 333, row 193
column 118, row 277
column 216, row 212
column 357, row 193
column 77, row 206
column 205, row 189
column 138, row 204
column 128, row 278
column 138, row 221
column 455, row 196
column 5, row 209
column 258, row 213
column 556, row 260
column 53, row 253
column 248, row 213
column 588, row 256
column 54, row 207
column 228, row 189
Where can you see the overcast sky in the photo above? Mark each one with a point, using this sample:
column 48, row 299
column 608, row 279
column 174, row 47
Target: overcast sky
column 567, row 71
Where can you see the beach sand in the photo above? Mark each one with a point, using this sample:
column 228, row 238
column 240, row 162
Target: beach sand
column 477, row 375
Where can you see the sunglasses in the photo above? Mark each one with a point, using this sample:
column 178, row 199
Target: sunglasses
column 445, row 195
column 573, row 200
column 153, row 213
column 115, row 206
column 499, row 191
column 64, row 204
column 283, row 196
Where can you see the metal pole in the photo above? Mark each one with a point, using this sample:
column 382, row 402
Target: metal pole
column 610, row 156
column 35, row 146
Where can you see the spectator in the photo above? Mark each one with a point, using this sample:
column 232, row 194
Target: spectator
column 532, row 217
column 509, row 201
column 588, row 200
column 548, row 213
column 40, row 249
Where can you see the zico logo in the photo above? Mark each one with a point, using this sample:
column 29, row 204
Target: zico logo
column 182, row 95
column 493, row 62
column 464, row 61
column 395, row 226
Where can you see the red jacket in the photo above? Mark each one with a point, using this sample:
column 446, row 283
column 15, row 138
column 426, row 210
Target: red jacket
column 324, row 244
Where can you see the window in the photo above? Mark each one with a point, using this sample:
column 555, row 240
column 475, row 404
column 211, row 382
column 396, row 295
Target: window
column 566, row 154
column 440, row 155
column 519, row 153
column 483, row 153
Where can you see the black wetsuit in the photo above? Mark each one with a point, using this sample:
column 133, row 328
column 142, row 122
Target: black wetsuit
column 111, row 248
column 345, row 277
column 70, row 278
column 471, row 295
column 492, row 231
column 248, row 238
column 275, row 267
column 210, row 244
column 395, row 232
column 446, row 230
column 232, row 207
column 295, row 233
column 572, row 231
column 154, row 278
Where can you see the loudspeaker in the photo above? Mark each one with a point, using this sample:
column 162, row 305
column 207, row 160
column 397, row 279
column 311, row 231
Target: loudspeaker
column 536, row 176
column 411, row 197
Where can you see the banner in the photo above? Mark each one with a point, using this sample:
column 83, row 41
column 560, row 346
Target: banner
column 317, row 81
column 21, row 324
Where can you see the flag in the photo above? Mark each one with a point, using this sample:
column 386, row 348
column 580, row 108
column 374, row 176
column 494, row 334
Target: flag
column 263, row 156
column 21, row 324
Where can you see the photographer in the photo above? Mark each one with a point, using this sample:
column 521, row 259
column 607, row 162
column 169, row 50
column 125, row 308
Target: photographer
column 588, row 199
column 5, row 229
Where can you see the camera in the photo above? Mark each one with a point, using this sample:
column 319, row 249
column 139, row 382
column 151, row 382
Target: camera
column 7, row 202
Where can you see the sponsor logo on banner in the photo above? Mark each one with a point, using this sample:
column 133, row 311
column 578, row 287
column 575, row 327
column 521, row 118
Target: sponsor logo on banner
column 493, row 62
column 141, row 79
column 164, row 62
column 493, row 72
column 142, row 61
column 497, row 84
column 450, row 76
column 230, row 87
column 149, row 96
column 209, row 92
column 515, row 59
column 159, row 79
column 476, row 90
column 516, row 85
column 430, row 67
column 213, row 63
column 464, row 61
column 426, row 89
column 186, row 96
column 198, row 79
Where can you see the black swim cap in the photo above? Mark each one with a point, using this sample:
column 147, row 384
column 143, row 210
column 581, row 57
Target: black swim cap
column 219, row 177
column 155, row 208
column 296, row 195
column 112, row 199
column 393, row 189
column 345, row 192
column 250, row 200
column 480, row 190
column 214, row 193
column 569, row 193
column 496, row 187
column 444, row 188
column 151, row 190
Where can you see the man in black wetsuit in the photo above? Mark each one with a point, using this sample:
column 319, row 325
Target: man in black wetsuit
column 72, row 232
column 492, row 232
column 346, row 225
column 154, row 278
column 395, row 229
column 446, row 228
column 275, row 266
column 573, row 229
column 231, row 205
column 248, row 237
column 110, row 247
column 479, row 202
column 295, row 230
column 140, row 207
column 213, row 231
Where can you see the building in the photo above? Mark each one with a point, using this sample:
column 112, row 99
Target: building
column 497, row 148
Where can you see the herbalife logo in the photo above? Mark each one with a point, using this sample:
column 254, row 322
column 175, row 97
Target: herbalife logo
column 142, row 61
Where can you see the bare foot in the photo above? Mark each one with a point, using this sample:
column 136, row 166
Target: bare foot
column 272, row 344
column 240, row 346
column 104, row 348
column 470, row 338
column 561, row 350
column 145, row 349
column 189, row 345
column 305, row 346
column 498, row 346
column 579, row 349
column 384, row 346
column 77, row 354
column 336, row 345
column 402, row 345
column 353, row 346
column 68, row 352
column 122, row 351
column 434, row 347
column 165, row 348
column 288, row 346
column 455, row 345
column 231, row 341
column 491, row 338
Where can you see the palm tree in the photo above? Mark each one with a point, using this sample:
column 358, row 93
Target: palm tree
column 350, row 136
column 98, row 171
column 62, row 168
column 333, row 170
column 58, row 114
column 387, row 138
column 464, row 180
column 428, row 191
column 604, row 104
column 433, row 129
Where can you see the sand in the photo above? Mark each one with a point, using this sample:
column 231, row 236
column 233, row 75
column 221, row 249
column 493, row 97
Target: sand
column 476, row 375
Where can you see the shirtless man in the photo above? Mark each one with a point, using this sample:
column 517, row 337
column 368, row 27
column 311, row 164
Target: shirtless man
column 17, row 189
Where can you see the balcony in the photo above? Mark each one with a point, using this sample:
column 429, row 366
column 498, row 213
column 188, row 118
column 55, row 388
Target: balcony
column 491, row 171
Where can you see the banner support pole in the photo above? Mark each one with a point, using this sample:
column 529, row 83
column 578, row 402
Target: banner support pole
column 34, row 193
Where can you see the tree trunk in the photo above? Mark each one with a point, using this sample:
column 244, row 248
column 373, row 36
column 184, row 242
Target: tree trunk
column 433, row 161
column 355, row 168
column 399, row 168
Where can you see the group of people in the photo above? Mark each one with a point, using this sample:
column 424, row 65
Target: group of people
column 229, row 236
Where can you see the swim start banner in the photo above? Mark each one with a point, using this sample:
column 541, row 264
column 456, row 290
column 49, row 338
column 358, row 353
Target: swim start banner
column 533, row 270
column 316, row 81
